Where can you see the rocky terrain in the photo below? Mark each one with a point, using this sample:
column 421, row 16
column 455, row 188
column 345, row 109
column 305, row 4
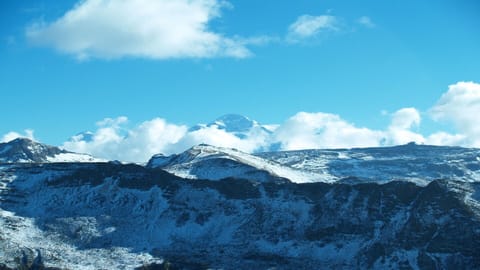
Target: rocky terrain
column 106, row 215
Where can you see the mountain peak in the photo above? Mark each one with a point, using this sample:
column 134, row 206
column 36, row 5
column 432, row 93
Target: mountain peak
column 27, row 150
column 234, row 123
column 21, row 140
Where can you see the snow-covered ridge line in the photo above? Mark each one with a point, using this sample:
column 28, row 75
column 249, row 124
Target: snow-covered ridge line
column 210, row 162
column 419, row 164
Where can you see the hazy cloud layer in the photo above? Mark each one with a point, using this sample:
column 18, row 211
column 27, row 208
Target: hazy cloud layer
column 157, row 29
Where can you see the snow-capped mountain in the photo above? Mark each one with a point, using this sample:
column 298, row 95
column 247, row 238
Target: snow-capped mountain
column 215, row 163
column 238, row 125
column 86, row 136
column 26, row 150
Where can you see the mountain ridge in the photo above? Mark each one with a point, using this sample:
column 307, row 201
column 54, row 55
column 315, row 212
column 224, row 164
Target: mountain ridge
column 27, row 150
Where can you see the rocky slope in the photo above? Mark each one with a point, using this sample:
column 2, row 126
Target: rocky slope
column 92, row 216
column 417, row 163
column 216, row 163
column 404, row 207
column 411, row 162
column 26, row 150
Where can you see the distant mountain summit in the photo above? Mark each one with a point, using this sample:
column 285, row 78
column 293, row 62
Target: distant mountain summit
column 236, row 124
column 86, row 136
column 23, row 150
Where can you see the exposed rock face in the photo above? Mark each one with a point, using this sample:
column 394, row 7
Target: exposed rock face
column 93, row 215
column 24, row 150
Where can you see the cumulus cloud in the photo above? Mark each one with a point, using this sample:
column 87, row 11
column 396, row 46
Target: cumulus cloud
column 460, row 105
column 307, row 26
column 399, row 131
column 253, row 140
column 12, row 135
column 113, row 140
column 366, row 21
column 444, row 138
column 323, row 130
column 157, row 29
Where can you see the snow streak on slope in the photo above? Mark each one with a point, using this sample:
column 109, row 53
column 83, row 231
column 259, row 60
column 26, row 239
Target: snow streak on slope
column 73, row 157
column 417, row 163
column 215, row 163
column 420, row 164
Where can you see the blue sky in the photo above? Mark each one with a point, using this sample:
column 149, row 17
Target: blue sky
column 269, row 60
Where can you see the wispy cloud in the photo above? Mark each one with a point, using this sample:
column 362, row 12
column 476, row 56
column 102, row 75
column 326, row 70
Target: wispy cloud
column 308, row 26
column 366, row 21
column 156, row 29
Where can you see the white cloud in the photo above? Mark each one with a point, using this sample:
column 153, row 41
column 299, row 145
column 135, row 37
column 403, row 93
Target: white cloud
column 323, row 130
column 156, row 29
column 112, row 140
column 405, row 118
column 254, row 140
column 399, row 131
column 12, row 135
column 366, row 21
column 307, row 26
column 443, row 138
column 460, row 105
